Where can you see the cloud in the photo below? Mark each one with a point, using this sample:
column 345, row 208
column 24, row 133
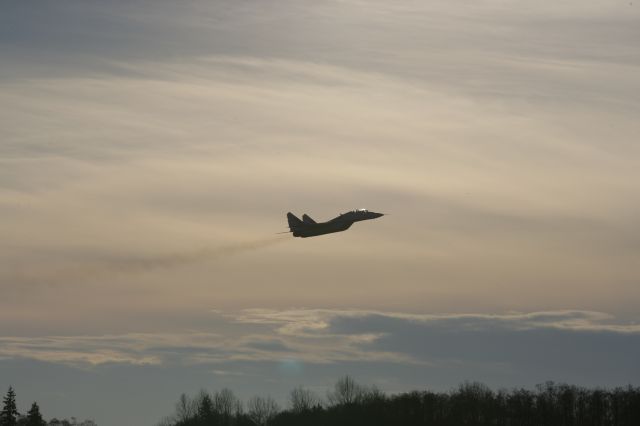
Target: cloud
column 310, row 321
column 536, row 340
column 103, row 173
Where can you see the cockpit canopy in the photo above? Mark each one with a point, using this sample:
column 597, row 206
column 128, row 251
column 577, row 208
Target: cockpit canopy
column 356, row 211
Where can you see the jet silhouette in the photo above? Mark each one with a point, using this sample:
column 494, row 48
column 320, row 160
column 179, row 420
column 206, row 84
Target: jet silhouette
column 308, row 227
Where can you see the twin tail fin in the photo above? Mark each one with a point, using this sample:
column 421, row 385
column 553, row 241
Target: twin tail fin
column 307, row 219
column 294, row 221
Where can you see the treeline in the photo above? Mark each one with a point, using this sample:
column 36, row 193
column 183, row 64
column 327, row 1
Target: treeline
column 350, row 403
column 9, row 416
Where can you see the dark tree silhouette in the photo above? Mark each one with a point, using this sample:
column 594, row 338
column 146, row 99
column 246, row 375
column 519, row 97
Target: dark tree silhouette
column 9, row 413
column 185, row 409
column 303, row 400
column 226, row 405
column 346, row 391
column 471, row 403
column 262, row 410
column 34, row 418
column 206, row 413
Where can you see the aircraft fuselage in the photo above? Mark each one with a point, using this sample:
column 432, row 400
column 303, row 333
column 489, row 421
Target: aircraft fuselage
column 309, row 228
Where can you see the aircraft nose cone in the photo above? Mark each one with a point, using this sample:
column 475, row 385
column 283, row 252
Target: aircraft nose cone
column 377, row 215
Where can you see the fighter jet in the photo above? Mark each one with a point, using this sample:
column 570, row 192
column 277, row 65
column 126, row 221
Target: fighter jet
column 308, row 227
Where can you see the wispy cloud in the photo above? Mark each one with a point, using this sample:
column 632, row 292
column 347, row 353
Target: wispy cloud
column 322, row 336
column 146, row 167
column 306, row 321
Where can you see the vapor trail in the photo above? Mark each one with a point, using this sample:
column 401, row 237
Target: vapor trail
column 71, row 270
column 201, row 255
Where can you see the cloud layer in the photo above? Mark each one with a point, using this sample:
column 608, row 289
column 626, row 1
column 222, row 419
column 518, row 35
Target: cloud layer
column 100, row 173
column 560, row 339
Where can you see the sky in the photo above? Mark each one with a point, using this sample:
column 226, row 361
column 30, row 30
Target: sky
column 149, row 151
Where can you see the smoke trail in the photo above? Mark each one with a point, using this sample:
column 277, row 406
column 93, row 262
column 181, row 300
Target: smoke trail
column 202, row 255
column 70, row 271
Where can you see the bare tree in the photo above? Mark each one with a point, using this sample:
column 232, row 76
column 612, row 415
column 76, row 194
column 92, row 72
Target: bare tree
column 185, row 408
column 372, row 394
column 262, row 410
column 303, row 399
column 345, row 391
column 225, row 402
column 227, row 405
